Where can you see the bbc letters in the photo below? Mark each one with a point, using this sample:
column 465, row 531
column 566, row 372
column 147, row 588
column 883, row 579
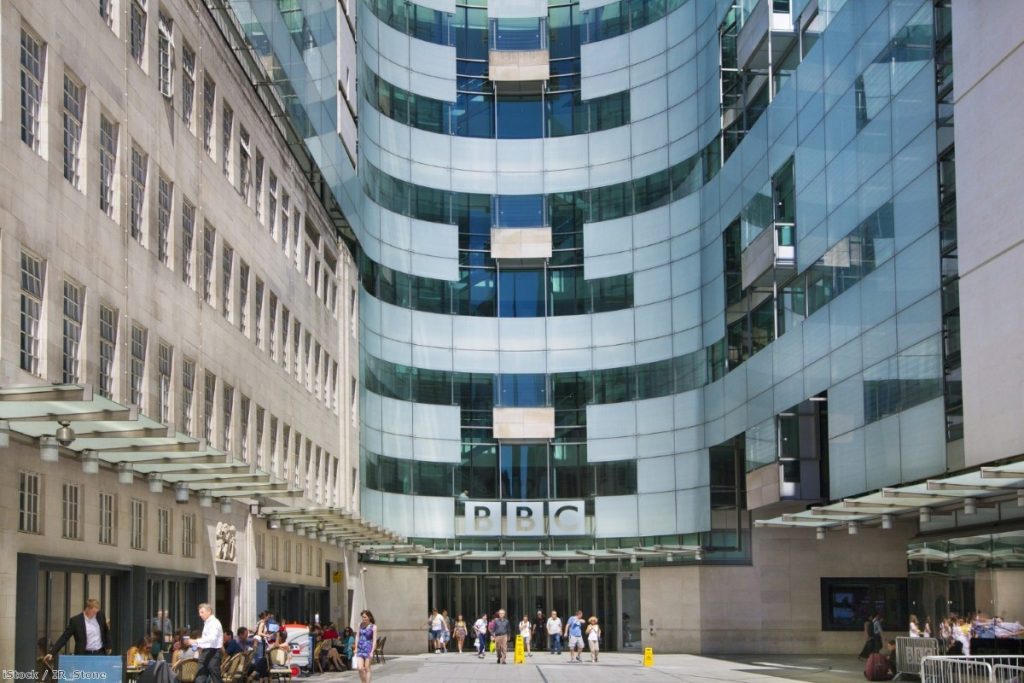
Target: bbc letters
column 524, row 518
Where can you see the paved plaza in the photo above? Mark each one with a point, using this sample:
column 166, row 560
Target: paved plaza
column 616, row 667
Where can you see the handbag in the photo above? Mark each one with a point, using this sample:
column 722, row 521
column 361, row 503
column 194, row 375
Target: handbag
column 476, row 642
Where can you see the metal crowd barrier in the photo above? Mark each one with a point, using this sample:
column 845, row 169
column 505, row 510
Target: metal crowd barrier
column 910, row 652
column 965, row 669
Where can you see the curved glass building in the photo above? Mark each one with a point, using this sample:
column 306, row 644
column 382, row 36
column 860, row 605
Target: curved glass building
column 634, row 274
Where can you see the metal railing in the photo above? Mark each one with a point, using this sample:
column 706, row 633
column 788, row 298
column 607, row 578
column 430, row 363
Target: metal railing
column 966, row 669
column 910, row 652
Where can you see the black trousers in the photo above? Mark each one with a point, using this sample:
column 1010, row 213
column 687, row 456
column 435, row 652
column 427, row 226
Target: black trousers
column 209, row 666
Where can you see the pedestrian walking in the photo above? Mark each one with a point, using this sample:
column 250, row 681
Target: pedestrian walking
column 446, row 631
column 436, row 625
column 540, row 623
column 500, row 631
column 574, row 631
column 593, row 637
column 209, row 644
column 460, row 632
column 554, row 627
column 525, row 630
column 480, row 629
column 366, row 643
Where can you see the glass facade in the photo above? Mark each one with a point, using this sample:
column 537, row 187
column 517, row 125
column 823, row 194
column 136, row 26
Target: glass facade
column 661, row 163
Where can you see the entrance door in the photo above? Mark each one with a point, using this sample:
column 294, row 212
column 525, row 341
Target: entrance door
column 596, row 597
column 222, row 602
column 630, row 624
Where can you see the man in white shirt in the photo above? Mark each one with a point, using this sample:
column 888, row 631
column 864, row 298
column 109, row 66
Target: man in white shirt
column 555, row 633
column 209, row 644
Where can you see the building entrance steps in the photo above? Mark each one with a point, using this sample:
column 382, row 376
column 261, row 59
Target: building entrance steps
column 614, row 667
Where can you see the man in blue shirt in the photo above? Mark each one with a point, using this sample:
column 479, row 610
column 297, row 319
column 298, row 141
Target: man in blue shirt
column 574, row 630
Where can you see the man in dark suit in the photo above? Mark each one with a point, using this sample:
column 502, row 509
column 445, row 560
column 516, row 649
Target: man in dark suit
column 89, row 629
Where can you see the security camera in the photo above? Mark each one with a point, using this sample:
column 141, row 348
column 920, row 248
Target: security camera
column 65, row 434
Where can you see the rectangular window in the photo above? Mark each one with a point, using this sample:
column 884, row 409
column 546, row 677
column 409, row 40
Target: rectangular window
column 226, row 273
column 107, row 12
column 188, row 84
column 844, row 601
column 285, row 355
column 165, row 65
column 244, row 159
column 309, row 560
column 257, row 312
column 209, row 241
column 188, row 534
column 261, row 460
column 298, row 558
column 72, row 332
column 243, row 297
column 106, row 535
column 228, row 404
column 244, row 405
column 165, row 197
column 209, row 392
column 108, row 164
column 32, row 276
column 138, row 530
column 188, row 229
column 227, row 122
column 297, row 349
column 33, row 59
column 261, row 555
column 137, row 36
column 136, row 212
column 260, row 164
column 285, row 200
column 163, row 531
column 272, row 327
column 188, row 388
column 272, row 205
column 137, row 371
column 273, row 553
column 209, row 95
column 272, row 446
column 319, row 562
column 287, row 556
column 70, row 511
column 28, row 502
column 74, row 108
column 165, row 363
column 108, row 350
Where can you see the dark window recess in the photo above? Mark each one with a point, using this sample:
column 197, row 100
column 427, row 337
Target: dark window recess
column 847, row 602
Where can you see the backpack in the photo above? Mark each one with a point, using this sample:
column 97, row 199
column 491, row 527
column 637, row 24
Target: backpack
column 877, row 668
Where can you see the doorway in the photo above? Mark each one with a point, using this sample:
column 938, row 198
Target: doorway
column 222, row 601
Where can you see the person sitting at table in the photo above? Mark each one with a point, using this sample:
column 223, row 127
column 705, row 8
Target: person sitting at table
column 186, row 651
column 280, row 644
column 139, row 654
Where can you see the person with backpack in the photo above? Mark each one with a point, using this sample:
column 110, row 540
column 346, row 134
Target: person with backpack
column 480, row 631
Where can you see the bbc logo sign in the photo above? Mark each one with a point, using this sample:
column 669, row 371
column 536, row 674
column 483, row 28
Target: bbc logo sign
column 524, row 518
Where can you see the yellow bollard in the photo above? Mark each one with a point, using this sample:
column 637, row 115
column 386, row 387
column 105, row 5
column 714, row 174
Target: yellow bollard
column 648, row 656
column 520, row 652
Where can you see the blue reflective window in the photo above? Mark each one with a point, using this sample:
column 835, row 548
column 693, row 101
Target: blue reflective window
column 524, row 471
column 519, row 211
column 519, row 34
column 522, row 390
column 520, row 118
column 473, row 116
column 475, row 293
column 521, row 293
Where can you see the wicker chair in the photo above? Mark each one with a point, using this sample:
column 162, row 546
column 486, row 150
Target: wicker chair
column 279, row 668
column 187, row 670
column 378, row 651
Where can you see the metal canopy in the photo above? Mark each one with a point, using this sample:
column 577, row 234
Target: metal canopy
column 416, row 551
column 123, row 439
column 964, row 492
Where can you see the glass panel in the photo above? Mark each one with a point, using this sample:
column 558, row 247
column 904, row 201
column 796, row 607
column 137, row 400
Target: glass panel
column 524, row 471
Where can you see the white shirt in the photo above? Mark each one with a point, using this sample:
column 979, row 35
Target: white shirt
column 554, row 626
column 480, row 626
column 93, row 639
column 213, row 634
column 524, row 629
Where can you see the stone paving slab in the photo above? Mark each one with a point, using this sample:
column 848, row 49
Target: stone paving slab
column 613, row 666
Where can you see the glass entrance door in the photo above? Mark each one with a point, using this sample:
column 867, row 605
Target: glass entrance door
column 630, row 623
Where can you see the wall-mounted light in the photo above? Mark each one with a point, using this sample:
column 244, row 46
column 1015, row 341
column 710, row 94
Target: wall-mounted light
column 819, row 533
column 205, row 499
column 156, row 483
column 125, row 473
column 301, row 531
column 254, row 509
column 181, row 492
column 853, row 528
column 886, row 521
column 502, row 561
column 225, row 506
column 970, row 505
column 322, row 537
column 458, row 562
column 925, row 515
column 90, row 462
column 669, row 557
column 593, row 560
column 273, row 522
column 632, row 559
column 547, row 561
column 289, row 527
column 65, row 434
column 48, row 451
column 419, row 559
column 699, row 555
